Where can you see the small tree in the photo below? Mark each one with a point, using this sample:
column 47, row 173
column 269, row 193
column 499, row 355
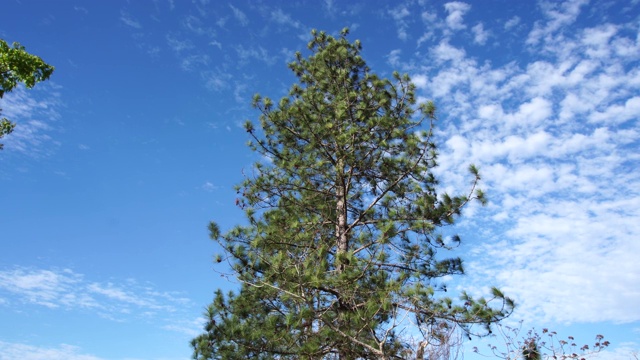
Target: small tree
column 339, row 259
column 513, row 343
column 18, row 66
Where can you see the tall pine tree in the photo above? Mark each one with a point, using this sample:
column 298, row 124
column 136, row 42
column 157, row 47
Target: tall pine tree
column 339, row 257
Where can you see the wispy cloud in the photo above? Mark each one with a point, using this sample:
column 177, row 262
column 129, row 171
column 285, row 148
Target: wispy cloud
column 254, row 53
column 330, row 7
column 456, row 11
column 11, row 351
column 480, row 35
column 67, row 290
column 452, row 22
column 81, row 9
column 216, row 79
column 282, row 18
column 194, row 61
column 208, row 186
column 556, row 16
column 45, row 287
column 511, row 23
column 128, row 20
column 178, row 44
column 554, row 137
column 400, row 15
column 189, row 57
column 240, row 16
column 394, row 58
column 626, row 351
column 191, row 328
column 196, row 25
column 35, row 113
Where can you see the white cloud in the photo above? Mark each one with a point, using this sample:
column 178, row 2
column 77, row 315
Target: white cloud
column 67, row 290
column 255, row 53
column 239, row 15
column 575, row 249
column 445, row 52
column 557, row 15
column 625, row 351
column 222, row 21
column 420, row 81
column 184, row 47
column 240, row 91
column 511, row 23
column 399, row 15
column 394, row 58
column 178, row 45
column 282, row 18
column 216, row 79
column 35, row 112
column 555, row 137
column 113, row 292
column 12, row 351
column 531, row 113
column 329, row 6
column 618, row 113
column 430, row 19
column 456, row 10
column 81, row 9
column 217, row 44
column 191, row 62
column 597, row 40
column 44, row 287
column 480, row 35
column 191, row 328
column 208, row 186
column 129, row 21
column 195, row 25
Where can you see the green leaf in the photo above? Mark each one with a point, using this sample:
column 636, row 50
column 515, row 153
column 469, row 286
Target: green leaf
column 18, row 66
column 214, row 230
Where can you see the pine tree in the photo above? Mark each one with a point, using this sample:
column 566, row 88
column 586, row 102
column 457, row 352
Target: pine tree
column 338, row 259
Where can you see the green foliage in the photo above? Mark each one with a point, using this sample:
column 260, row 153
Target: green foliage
column 18, row 66
column 340, row 256
column 6, row 127
column 530, row 351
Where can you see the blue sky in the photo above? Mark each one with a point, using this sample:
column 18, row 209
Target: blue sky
column 121, row 159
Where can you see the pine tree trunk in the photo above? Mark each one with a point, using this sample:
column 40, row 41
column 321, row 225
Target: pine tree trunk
column 342, row 239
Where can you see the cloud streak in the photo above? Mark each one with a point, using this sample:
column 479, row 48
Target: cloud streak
column 240, row 16
column 11, row 351
column 128, row 20
column 67, row 290
column 35, row 112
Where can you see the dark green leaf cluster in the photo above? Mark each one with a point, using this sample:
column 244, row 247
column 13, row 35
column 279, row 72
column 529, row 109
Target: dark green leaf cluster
column 341, row 251
column 18, row 66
